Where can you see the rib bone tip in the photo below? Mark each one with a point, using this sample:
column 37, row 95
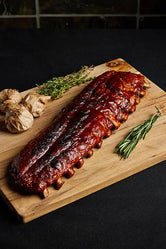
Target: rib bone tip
column 58, row 184
column 70, row 173
column 45, row 193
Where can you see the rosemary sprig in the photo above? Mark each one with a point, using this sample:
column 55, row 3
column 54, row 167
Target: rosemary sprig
column 126, row 146
column 59, row 85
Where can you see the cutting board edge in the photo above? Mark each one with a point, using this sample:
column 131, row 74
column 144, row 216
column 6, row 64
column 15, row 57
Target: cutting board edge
column 27, row 218
column 11, row 207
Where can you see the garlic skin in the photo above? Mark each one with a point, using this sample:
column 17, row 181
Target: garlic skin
column 9, row 97
column 35, row 103
column 20, row 112
column 18, row 118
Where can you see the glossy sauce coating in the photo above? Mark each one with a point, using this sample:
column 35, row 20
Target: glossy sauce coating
column 98, row 109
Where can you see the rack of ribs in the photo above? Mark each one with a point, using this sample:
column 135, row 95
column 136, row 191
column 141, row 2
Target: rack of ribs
column 100, row 108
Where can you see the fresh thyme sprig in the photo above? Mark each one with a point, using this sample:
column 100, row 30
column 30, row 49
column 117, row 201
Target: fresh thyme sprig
column 59, row 85
column 125, row 147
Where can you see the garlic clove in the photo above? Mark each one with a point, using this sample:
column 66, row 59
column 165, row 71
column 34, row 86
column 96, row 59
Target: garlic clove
column 18, row 118
column 35, row 103
column 9, row 96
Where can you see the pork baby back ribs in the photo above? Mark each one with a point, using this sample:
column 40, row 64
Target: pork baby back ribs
column 101, row 107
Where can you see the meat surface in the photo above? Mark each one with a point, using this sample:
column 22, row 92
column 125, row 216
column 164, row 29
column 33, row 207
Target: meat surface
column 101, row 107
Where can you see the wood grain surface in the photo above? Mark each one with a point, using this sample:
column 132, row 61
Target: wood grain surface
column 99, row 171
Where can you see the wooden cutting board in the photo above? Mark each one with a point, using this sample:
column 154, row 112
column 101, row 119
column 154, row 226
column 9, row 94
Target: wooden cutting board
column 99, row 171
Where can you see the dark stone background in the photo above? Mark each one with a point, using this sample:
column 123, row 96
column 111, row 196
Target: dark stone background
column 103, row 14
column 130, row 214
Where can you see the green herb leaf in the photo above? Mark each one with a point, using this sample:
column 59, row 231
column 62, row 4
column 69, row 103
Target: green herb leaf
column 59, row 85
column 126, row 146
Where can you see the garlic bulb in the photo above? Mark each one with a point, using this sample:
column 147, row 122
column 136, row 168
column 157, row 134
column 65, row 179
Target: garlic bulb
column 18, row 118
column 20, row 112
column 35, row 103
column 9, row 97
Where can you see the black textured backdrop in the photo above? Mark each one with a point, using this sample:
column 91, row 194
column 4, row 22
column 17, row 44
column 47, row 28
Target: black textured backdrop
column 129, row 214
column 83, row 14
